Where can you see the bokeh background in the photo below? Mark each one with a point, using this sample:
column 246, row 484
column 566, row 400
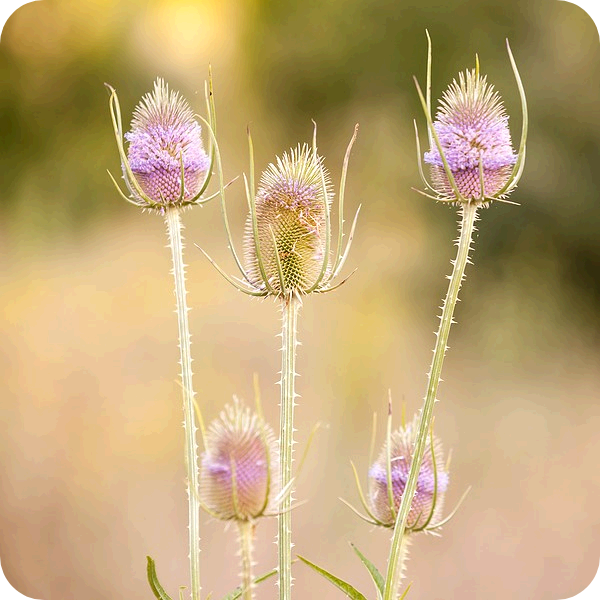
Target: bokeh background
column 91, row 447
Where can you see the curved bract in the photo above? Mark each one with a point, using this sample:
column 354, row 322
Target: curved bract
column 288, row 240
column 471, row 156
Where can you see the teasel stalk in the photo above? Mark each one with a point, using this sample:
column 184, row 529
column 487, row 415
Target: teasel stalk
column 288, row 255
column 166, row 170
column 469, row 142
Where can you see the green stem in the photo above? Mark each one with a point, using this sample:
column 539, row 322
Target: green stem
column 174, row 228
column 290, row 309
column 246, row 531
column 394, row 575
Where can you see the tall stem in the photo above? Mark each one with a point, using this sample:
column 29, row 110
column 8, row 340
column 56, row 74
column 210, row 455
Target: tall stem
column 290, row 309
column 394, row 575
column 174, row 228
column 246, row 531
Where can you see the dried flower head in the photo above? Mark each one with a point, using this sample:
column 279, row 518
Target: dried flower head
column 471, row 157
column 165, row 163
column 238, row 477
column 288, row 247
column 427, row 505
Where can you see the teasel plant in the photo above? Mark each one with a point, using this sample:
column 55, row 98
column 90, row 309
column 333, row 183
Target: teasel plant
column 472, row 164
column 288, row 255
column 239, row 477
column 166, row 170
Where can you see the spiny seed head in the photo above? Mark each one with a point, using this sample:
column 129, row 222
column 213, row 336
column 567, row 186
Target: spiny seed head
column 432, row 482
column 472, row 128
column 291, row 223
column 165, row 143
column 238, row 476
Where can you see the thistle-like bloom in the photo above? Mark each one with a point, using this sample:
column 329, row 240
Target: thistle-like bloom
column 238, row 477
column 471, row 157
column 292, row 202
column 165, row 164
column 388, row 476
column 427, row 505
column 472, row 128
column 287, row 247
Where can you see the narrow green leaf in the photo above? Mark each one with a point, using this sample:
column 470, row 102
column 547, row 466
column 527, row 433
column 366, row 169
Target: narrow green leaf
column 405, row 592
column 237, row 593
column 158, row 589
column 375, row 574
column 345, row 587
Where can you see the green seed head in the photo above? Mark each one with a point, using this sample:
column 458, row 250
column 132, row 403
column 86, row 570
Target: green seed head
column 288, row 249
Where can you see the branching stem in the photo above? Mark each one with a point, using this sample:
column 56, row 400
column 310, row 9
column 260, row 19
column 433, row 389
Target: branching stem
column 174, row 228
column 394, row 571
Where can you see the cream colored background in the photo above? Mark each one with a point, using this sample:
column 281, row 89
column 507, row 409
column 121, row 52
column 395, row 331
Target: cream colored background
column 91, row 449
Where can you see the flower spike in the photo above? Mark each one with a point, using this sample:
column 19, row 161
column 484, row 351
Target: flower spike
column 165, row 164
column 471, row 158
column 238, row 474
column 287, row 243
column 388, row 474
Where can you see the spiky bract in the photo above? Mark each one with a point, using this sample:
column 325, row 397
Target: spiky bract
column 238, row 478
column 472, row 128
column 165, row 147
column 432, row 483
column 291, row 223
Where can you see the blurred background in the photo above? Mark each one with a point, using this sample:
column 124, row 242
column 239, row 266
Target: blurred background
column 91, row 449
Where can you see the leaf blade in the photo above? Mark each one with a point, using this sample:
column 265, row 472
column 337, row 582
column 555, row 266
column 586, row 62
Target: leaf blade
column 376, row 576
column 342, row 585
column 157, row 589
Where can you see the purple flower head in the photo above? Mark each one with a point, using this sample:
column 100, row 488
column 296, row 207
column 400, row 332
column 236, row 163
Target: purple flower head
column 165, row 143
column 472, row 128
column 432, row 482
column 238, row 474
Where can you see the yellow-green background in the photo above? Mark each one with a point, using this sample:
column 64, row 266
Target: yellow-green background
column 92, row 475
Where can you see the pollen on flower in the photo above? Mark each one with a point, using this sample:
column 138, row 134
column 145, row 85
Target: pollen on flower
column 291, row 222
column 165, row 142
column 431, row 483
column 238, row 478
column 472, row 128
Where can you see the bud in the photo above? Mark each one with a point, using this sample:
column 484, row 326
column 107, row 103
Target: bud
column 165, row 163
column 238, row 474
column 472, row 128
column 291, row 223
column 432, row 482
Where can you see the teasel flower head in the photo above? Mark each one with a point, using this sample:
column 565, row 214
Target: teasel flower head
column 471, row 157
column 292, row 200
column 288, row 246
column 238, row 475
column 165, row 164
column 388, row 475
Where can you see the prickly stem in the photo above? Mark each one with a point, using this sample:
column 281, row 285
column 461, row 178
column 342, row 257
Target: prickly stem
column 394, row 575
column 246, row 533
column 290, row 309
column 174, row 228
